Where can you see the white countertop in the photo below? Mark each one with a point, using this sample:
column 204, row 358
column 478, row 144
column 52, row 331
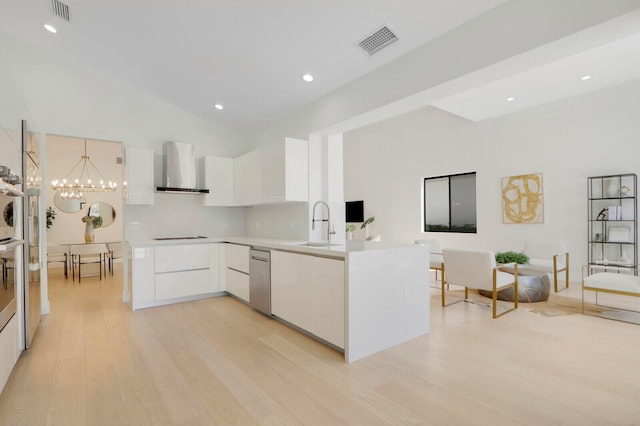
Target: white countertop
column 340, row 251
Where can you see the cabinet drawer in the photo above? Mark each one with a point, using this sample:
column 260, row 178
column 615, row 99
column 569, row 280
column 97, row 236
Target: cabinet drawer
column 181, row 284
column 238, row 284
column 182, row 257
column 238, row 257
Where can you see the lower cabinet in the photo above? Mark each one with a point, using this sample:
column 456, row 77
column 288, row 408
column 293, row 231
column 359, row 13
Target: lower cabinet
column 308, row 291
column 9, row 351
column 237, row 270
column 143, row 286
column 182, row 284
column 162, row 273
column 238, row 284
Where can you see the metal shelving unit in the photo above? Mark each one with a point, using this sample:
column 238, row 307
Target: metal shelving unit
column 613, row 224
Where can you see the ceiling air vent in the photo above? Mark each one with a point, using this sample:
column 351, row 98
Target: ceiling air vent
column 60, row 9
column 376, row 41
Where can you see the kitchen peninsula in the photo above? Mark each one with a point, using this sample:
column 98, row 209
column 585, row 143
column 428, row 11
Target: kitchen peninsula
column 359, row 298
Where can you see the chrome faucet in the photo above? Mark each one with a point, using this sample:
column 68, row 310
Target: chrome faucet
column 330, row 231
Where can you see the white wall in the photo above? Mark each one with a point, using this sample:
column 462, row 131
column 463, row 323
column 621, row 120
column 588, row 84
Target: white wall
column 183, row 215
column 588, row 135
column 286, row 221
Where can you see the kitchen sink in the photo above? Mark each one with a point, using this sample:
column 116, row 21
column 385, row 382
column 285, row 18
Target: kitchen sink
column 317, row 244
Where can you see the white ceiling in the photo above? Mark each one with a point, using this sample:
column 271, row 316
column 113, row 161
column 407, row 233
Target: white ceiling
column 545, row 81
column 248, row 55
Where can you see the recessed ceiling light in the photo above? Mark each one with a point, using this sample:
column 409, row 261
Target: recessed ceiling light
column 511, row 99
column 219, row 107
column 307, row 77
column 585, row 77
column 50, row 28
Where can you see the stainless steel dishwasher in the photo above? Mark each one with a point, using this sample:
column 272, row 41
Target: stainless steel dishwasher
column 260, row 280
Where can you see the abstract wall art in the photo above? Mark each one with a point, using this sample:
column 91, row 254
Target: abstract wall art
column 522, row 199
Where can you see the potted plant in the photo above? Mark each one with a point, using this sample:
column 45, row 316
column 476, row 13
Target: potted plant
column 91, row 222
column 365, row 226
column 51, row 215
column 511, row 257
column 349, row 229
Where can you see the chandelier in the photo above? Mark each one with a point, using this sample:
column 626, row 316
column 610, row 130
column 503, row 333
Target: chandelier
column 71, row 188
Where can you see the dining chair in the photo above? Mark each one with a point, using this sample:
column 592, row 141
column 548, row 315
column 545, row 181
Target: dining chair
column 115, row 251
column 58, row 254
column 85, row 254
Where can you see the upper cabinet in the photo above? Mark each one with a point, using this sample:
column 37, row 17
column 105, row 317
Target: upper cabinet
column 218, row 178
column 272, row 174
column 139, row 169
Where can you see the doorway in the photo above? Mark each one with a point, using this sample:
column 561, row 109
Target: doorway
column 69, row 208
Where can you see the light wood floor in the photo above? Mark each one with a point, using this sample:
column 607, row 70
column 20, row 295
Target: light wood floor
column 216, row 361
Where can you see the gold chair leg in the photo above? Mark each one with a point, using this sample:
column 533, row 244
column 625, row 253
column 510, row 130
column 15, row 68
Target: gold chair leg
column 566, row 270
column 496, row 289
column 444, row 304
column 555, row 273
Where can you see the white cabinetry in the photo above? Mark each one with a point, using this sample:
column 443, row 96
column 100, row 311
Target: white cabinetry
column 9, row 351
column 275, row 173
column 184, row 270
column 308, row 291
column 173, row 273
column 139, row 169
column 238, row 284
column 246, row 179
column 218, row 178
column 143, row 276
column 237, row 270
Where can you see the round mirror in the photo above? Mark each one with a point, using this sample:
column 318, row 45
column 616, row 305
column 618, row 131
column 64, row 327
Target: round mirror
column 69, row 206
column 104, row 210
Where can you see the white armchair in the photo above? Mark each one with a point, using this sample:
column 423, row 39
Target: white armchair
column 477, row 269
column 436, row 261
column 548, row 256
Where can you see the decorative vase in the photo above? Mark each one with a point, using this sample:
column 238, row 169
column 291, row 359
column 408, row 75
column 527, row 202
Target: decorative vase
column 349, row 235
column 366, row 232
column 88, row 233
column 611, row 190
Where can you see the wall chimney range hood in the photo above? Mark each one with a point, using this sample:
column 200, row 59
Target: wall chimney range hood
column 179, row 160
